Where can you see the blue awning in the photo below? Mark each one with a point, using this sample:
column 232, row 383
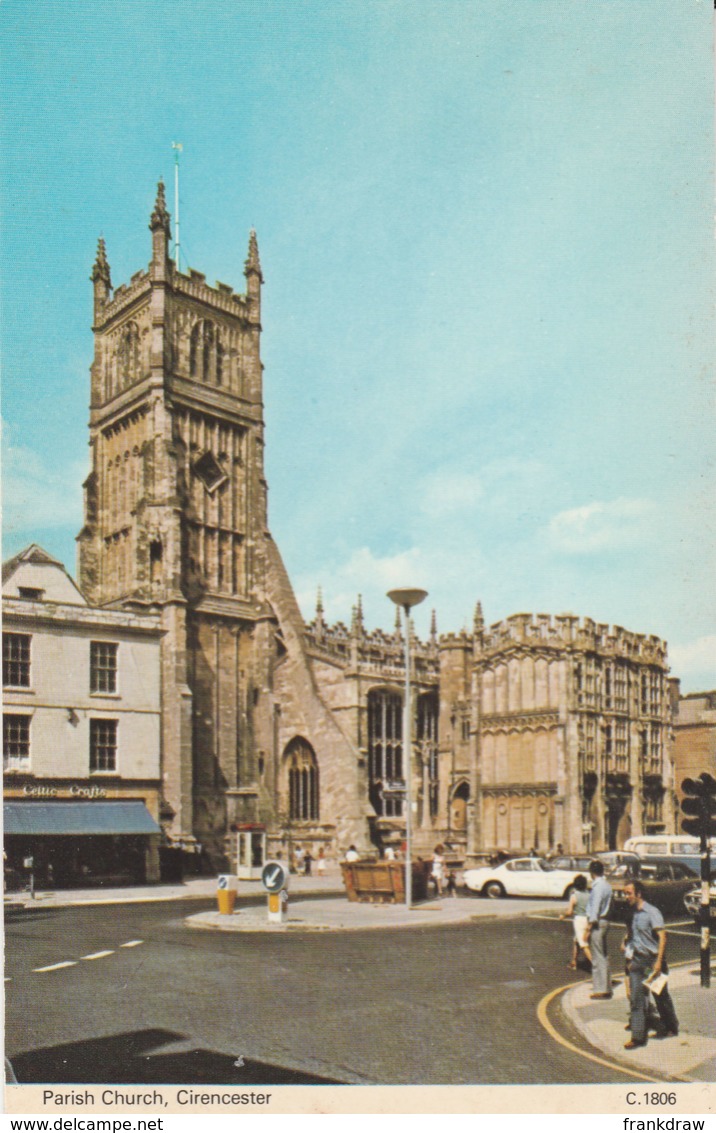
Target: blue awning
column 78, row 818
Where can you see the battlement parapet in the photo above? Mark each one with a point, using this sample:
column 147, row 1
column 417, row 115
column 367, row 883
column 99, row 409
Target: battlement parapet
column 462, row 640
column 125, row 295
column 375, row 649
column 568, row 631
column 222, row 296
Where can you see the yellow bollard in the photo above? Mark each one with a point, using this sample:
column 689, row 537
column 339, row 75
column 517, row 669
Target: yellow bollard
column 227, row 900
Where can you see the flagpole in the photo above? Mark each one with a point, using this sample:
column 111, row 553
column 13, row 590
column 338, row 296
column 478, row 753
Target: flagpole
column 177, row 147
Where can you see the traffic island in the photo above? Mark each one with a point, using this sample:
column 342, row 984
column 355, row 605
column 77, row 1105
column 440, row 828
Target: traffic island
column 336, row 914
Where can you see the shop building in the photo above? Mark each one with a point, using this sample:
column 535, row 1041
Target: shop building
column 81, row 731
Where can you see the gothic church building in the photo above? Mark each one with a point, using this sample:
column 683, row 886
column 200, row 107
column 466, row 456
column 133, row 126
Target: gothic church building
column 533, row 732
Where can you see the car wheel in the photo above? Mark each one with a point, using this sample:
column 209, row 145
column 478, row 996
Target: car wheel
column 494, row 889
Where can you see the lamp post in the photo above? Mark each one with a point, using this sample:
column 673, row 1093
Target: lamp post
column 406, row 599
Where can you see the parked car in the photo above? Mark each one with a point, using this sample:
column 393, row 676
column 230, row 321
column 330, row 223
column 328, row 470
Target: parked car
column 578, row 863
column 666, row 883
column 521, row 877
column 692, row 901
column 679, row 846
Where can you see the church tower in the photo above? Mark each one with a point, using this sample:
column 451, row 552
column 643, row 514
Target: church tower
column 175, row 521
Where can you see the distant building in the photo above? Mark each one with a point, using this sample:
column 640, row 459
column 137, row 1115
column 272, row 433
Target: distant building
column 694, row 736
column 81, row 730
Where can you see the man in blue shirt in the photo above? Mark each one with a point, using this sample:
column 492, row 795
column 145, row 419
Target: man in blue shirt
column 598, row 906
column 647, row 937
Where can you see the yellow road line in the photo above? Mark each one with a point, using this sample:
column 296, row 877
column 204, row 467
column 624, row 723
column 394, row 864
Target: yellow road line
column 542, row 1016
column 554, row 1033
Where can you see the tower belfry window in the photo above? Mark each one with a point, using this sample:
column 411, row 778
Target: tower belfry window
column 206, row 353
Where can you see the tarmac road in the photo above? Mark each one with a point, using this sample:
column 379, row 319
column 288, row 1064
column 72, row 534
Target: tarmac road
column 128, row 993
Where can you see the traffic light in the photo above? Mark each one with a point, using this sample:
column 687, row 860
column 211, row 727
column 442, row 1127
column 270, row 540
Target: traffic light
column 700, row 805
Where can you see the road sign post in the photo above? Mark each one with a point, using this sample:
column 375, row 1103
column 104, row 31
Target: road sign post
column 274, row 878
column 700, row 806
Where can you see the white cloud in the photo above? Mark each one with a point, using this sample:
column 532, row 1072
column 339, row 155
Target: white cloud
column 38, row 495
column 601, row 526
column 444, row 574
column 450, row 491
column 695, row 663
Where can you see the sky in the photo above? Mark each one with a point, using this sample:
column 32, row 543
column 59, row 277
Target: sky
column 485, row 228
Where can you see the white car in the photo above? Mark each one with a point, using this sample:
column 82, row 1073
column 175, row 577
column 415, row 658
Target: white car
column 692, row 901
column 521, row 877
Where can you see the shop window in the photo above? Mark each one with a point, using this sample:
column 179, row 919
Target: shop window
column 15, row 737
column 103, row 666
column 103, row 745
column 16, row 660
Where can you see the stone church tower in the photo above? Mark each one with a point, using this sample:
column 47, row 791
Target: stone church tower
column 175, row 521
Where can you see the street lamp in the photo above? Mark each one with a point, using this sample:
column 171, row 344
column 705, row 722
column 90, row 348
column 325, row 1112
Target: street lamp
column 406, row 599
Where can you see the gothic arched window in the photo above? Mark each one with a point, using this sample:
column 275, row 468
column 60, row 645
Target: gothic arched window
column 128, row 355
column 302, row 773
column 385, row 752
column 428, row 708
column 206, row 353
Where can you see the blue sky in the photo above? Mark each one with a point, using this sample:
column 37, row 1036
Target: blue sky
column 485, row 227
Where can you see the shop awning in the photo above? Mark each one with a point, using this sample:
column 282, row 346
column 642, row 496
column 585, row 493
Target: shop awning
column 78, row 818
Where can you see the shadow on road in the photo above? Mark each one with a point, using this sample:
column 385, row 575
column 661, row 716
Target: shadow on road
column 26, row 913
column 128, row 1057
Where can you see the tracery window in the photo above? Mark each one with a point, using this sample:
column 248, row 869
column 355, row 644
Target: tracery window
column 206, row 353
column 128, row 355
column 428, row 744
column 385, row 752
column 303, row 791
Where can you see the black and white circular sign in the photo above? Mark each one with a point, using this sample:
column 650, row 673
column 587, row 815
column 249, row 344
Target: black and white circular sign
column 274, row 876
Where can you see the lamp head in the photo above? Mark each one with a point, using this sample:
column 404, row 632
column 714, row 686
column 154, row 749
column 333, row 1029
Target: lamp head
column 407, row 598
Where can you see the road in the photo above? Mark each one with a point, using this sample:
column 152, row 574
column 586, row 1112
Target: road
column 128, row 993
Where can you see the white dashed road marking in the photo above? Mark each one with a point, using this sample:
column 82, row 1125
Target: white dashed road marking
column 54, row 967
column 89, row 956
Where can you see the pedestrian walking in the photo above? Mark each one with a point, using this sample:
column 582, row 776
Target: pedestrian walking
column 299, row 856
column 321, row 862
column 648, row 969
column 577, row 910
column 307, row 859
column 598, row 906
column 437, row 869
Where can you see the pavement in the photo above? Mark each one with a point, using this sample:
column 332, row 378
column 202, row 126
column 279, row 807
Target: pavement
column 319, row 904
column 689, row 1056
column 201, row 888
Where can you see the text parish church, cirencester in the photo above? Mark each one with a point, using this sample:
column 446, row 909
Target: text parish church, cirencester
column 535, row 731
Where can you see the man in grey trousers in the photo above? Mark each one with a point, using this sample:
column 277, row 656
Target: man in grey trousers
column 598, row 905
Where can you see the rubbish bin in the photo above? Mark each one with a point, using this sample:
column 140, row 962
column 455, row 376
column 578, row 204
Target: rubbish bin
column 226, row 893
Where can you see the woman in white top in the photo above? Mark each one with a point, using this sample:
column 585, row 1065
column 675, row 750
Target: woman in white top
column 438, row 869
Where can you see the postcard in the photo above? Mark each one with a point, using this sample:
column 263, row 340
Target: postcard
column 359, row 680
